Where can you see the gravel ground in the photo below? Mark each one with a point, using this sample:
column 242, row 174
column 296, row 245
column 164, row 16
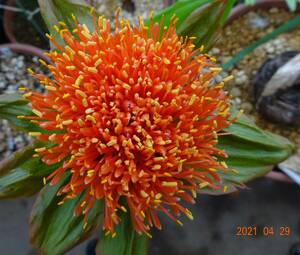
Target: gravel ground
column 14, row 74
column 243, row 32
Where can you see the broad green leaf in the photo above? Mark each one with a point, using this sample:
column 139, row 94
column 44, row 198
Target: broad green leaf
column 12, row 106
column 182, row 9
column 206, row 21
column 251, row 151
column 126, row 242
column 291, row 24
column 53, row 228
column 54, row 11
column 22, row 175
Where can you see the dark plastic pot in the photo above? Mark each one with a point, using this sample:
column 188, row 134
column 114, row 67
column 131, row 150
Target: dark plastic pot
column 241, row 10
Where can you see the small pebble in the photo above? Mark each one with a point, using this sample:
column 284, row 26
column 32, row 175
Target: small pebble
column 14, row 74
column 235, row 92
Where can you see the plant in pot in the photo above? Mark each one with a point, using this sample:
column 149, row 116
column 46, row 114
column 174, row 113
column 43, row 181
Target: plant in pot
column 135, row 122
column 257, row 44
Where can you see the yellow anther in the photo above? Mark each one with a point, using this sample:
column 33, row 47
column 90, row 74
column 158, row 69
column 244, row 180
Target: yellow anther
column 111, row 143
column 179, row 223
column 67, row 122
column 189, row 214
column 144, row 194
column 79, row 80
column 203, row 185
column 66, row 95
column 167, row 61
column 91, row 118
column 80, row 93
column 193, row 99
column 228, row 78
column 40, row 149
column 70, row 68
column 86, row 35
column 94, row 140
column 169, row 184
column 92, row 70
column 84, row 102
column 34, row 133
column 98, row 62
column 123, row 209
column 80, row 122
column 156, row 167
column 50, row 88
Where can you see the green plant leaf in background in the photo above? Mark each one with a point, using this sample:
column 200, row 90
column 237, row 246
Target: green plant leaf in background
column 12, row 106
column 126, row 242
column 55, row 11
column 53, row 228
column 206, row 21
column 22, row 175
column 182, row 9
column 252, row 152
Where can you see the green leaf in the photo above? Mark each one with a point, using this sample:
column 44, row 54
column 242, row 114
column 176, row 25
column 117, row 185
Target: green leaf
column 12, row 106
column 182, row 9
column 22, row 175
column 291, row 24
column 206, row 21
column 53, row 228
column 54, row 11
column 126, row 242
column 252, row 152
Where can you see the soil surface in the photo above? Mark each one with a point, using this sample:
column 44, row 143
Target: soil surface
column 240, row 34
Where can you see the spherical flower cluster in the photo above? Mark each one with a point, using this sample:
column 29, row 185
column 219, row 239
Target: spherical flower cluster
column 139, row 113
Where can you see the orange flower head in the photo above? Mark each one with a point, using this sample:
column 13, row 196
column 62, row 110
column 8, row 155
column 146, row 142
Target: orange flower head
column 139, row 111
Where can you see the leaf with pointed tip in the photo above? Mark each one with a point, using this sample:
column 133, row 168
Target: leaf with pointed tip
column 126, row 242
column 22, row 175
column 182, row 9
column 251, row 151
column 12, row 106
column 53, row 228
column 55, row 11
column 206, row 21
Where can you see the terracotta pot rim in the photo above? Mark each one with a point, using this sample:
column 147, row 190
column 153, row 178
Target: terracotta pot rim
column 8, row 21
column 242, row 9
column 25, row 49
